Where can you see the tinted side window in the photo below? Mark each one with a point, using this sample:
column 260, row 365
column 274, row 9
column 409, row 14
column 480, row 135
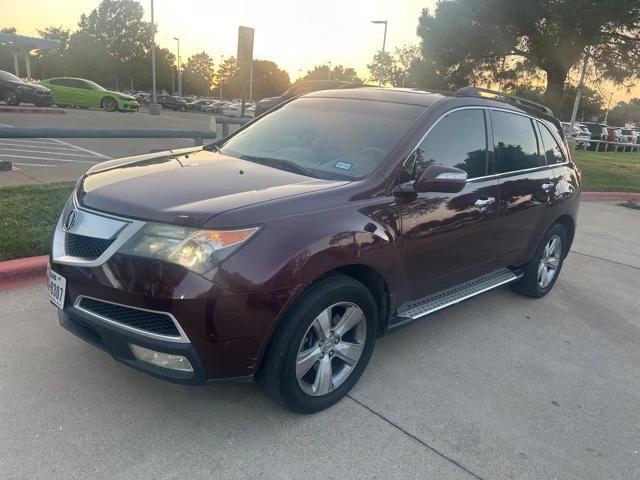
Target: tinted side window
column 77, row 84
column 458, row 140
column 56, row 81
column 552, row 150
column 515, row 142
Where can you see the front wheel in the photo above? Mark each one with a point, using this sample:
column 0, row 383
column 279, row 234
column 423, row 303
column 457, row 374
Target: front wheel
column 322, row 345
column 109, row 104
column 183, row 108
column 10, row 97
column 542, row 271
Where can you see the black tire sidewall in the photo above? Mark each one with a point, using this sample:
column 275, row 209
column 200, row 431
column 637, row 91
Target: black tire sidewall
column 107, row 100
column 529, row 283
column 298, row 320
column 10, row 97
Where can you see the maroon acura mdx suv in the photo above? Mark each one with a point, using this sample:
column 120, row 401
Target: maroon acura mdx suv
column 282, row 252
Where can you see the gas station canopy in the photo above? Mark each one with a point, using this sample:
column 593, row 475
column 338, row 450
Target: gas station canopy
column 21, row 45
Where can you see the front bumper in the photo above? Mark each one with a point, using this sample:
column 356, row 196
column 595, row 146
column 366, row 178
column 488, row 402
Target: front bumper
column 117, row 341
column 224, row 332
column 130, row 105
column 35, row 97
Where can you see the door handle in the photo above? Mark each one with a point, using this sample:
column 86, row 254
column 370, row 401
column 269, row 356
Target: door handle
column 484, row 203
column 547, row 186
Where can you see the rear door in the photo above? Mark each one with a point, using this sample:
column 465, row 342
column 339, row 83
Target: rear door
column 60, row 90
column 526, row 185
column 447, row 238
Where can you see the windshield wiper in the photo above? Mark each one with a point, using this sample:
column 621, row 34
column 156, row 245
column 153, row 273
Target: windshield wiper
column 279, row 163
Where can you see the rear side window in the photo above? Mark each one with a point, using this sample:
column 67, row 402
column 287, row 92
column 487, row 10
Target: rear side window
column 458, row 140
column 552, row 150
column 515, row 140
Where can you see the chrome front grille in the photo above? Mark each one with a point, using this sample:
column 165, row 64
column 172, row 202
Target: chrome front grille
column 87, row 238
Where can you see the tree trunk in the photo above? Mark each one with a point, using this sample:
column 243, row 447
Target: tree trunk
column 556, row 78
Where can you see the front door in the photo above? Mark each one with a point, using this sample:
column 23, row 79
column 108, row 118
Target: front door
column 447, row 238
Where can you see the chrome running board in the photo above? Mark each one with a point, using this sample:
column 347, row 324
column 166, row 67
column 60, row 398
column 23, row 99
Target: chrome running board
column 410, row 311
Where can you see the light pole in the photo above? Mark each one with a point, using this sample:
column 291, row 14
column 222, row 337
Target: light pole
column 384, row 39
column 179, row 72
column 154, row 108
column 329, row 70
column 220, row 78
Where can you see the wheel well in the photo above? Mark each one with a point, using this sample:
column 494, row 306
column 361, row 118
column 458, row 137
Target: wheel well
column 567, row 222
column 375, row 283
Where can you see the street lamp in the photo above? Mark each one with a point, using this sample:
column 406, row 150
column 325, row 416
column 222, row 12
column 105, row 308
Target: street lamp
column 384, row 39
column 329, row 70
column 179, row 72
column 219, row 78
column 154, row 108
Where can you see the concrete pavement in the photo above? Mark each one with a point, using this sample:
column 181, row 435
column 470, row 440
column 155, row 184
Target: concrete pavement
column 52, row 160
column 499, row 387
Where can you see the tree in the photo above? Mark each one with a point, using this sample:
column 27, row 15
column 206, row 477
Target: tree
column 400, row 69
column 50, row 62
column 382, row 68
column 268, row 79
column 198, row 74
column 117, row 27
column 590, row 104
column 339, row 72
column 625, row 112
column 466, row 38
column 227, row 76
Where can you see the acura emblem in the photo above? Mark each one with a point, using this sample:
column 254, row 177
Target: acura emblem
column 70, row 220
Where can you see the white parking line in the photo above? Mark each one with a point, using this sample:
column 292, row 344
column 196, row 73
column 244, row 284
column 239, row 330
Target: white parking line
column 81, row 148
column 49, row 159
column 46, row 152
column 32, row 165
column 33, row 144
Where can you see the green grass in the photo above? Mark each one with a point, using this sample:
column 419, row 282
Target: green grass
column 29, row 215
column 609, row 171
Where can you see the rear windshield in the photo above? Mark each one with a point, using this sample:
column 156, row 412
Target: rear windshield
column 325, row 137
column 9, row 76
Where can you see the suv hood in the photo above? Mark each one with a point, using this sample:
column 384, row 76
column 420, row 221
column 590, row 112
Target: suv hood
column 188, row 186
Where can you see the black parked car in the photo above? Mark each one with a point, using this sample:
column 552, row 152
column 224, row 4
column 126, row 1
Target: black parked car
column 14, row 90
column 300, row 88
column 172, row 103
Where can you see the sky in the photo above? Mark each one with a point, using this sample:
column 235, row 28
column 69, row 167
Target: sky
column 296, row 34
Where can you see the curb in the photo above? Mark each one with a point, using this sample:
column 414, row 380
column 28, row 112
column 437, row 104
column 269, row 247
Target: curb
column 22, row 271
column 41, row 110
column 609, row 196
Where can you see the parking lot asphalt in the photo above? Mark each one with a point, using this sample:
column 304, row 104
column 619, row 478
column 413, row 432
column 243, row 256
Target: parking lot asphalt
column 498, row 387
column 54, row 160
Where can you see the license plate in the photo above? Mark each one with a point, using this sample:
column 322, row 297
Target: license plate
column 57, row 285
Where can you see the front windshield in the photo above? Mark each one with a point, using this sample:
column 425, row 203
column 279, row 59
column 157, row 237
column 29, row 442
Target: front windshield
column 325, row 137
column 95, row 86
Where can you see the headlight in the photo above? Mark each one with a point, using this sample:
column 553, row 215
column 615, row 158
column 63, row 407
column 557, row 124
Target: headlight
column 198, row 250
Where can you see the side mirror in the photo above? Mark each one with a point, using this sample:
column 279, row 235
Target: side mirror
column 438, row 178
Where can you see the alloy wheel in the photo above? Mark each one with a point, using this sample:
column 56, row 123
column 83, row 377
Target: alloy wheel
column 331, row 348
column 549, row 261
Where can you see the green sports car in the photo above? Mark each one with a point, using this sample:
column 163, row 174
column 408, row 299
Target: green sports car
column 85, row 93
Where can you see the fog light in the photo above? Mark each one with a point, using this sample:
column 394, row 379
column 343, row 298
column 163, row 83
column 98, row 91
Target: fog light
column 164, row 360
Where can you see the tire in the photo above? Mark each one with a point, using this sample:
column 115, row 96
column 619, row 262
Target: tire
column 109, row 104
column 299, row 335
column 10, row 97
column 535, row 283
column 183, row 108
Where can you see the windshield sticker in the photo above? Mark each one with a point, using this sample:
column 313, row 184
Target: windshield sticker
column 343, row 165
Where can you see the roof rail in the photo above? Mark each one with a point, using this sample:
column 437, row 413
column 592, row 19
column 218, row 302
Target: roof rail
column 477, row 92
